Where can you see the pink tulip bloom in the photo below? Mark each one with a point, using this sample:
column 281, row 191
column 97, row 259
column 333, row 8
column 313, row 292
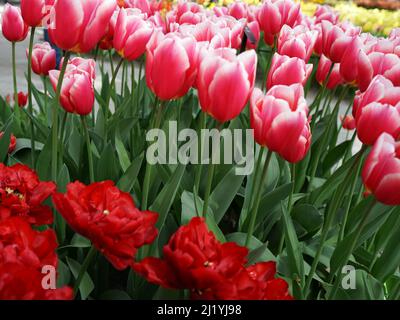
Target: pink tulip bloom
column 225, row 82
column 132, row 33
column 106, row 43
column 348, row 122
column 334, row 41
column 335, row 79
column 274, row 14
column 355, row 66
column 171, row 65
column 43, row 58
column 387, row 65
column 280, row 121
column 81, row 65
column 238, row 10
column 80, row 24
column 77, row 92
column 255, row 30
column 13, row 26
column 380, row 90
column 381, row 171
column 297, row 42
column 286, row 71
column 326, row 13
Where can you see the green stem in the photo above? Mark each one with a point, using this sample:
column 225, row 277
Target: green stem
column 332, row 209
column 62, row 134
column 88, row 147
column 17, row 112
column 255, row 178
column 210, row 176
column 132, row 108
column 108, row 100
column 273, row 50
column 45, row 97
column 324, row 139
column 199, row 167
column 30, row 106
column 149, row 167
column 293, row 174
column 111, row 61
column 353, row 244
column 256, row 205
column 54, row 140
column 85, row 265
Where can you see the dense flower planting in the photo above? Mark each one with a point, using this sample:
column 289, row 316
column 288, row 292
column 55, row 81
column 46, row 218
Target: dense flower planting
column 91, row 208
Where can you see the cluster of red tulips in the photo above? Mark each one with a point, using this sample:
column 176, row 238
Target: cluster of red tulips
column 213, row 58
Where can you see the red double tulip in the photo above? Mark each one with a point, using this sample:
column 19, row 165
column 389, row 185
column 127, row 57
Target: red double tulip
column 225, row 82
column 22, row 194
column 80, row 24
column 335, row 78
column 280, row 121
column 171, row 65
column 297, row 42
column 132, row 33
column 43, row 58
column 13, row 26
column 109, row 218
column 274, row 14
column 77, row 92
column 194, row 259
column 20, row 244
column 23, row 283
column 287, row 71
column 381, row 172
column 377, row 110
column 13, row 142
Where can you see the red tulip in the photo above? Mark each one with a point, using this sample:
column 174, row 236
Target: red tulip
column 335, row 79
column 43, row 58
column 381, row 172
column 274, row 14
column 33, row 11
column 355, row 66
column 132, row 33
column 297, row 42
column 348, row 122
column 22, row 194
column 13, row 142
column 109, row 218
column 280, row 121
column 20, row 244
column 22, row 99
column 225, row 82
column 326, row 13
column 13, row 26
column 256, row 282
column 286, row 71
column 77, row 92
column 171, row 65
column 80, row 24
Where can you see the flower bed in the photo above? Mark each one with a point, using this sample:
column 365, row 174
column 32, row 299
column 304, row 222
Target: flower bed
column 202, row 164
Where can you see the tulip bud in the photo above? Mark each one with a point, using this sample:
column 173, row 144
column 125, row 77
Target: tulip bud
column 77, row 92
column 286, row 71
column 297, row 42
column 13, row 26
column 22, row 99
column 171, row 65
column 225, row 82
column 132, row 33
column 13, row 142
column 80, row 24
column 348, row 122
column 280, row 121
column 381, row 171
column 43, row 58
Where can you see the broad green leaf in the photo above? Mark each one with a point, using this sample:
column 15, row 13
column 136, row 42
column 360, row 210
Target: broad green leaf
column 87, row 285
column 126, row 182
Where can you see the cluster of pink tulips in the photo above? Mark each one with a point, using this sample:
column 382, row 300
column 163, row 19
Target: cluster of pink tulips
column 313, row 204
